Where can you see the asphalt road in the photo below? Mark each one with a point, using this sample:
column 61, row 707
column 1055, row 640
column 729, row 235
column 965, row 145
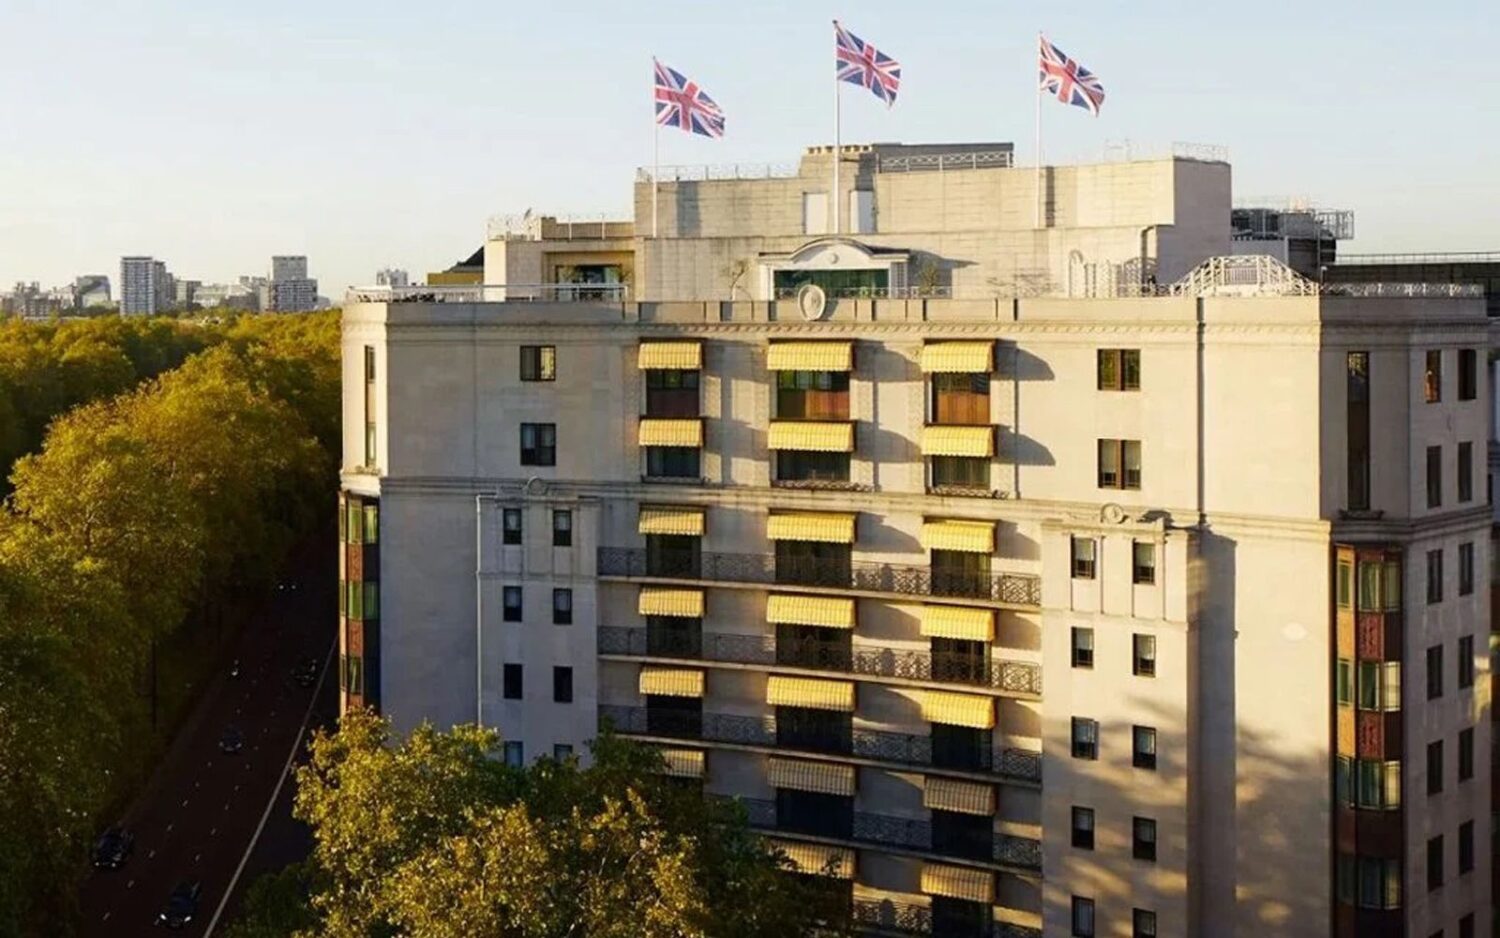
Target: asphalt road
column 197, row 817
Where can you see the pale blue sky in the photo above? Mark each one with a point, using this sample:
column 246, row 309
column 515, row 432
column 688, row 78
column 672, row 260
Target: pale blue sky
column 213, row 134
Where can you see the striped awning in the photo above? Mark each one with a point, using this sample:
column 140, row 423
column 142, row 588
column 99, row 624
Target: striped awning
column 655, row 432
column 811, row 436
column 678, row 603
column 825, row 778
column 958, row 357
column 799, row 609
column 681, row 522
column 968, row 623
column 958, row 441
column 823, row 526
column 683, row 763
column 810, row 356
column 946, row 794
column 836, row 862
column 958, row 709
column 971, row 537
column 671, row 682
column 811, row 693
column 958, row 882
column 676, row 356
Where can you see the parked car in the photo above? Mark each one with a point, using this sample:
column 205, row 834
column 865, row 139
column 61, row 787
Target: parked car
column 182, row 904
column 113, row 848
column 231, row 741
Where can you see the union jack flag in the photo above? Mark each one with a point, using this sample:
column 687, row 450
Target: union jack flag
column 860, row 63
column 1072, row 83
column 682, row 104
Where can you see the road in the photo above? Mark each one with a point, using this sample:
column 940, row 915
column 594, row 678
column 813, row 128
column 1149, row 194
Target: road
column 200, row 811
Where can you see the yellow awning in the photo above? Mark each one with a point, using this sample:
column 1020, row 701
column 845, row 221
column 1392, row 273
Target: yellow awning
column 800, row 609
column 811, row 693
column 810, row 356
column 961, row 357
column 682, row 522
column 958, row 882
column 824, row 526
column 678, row 603
column 811, row 436
column 971, row 537
column 836, row 862
column 676, row 356
column 683, row 763
column 969, row 623
column 823, row 777
column 958, row 710
column 671, row 682
column 671, row 433
column 958, row 441
column 945, row 794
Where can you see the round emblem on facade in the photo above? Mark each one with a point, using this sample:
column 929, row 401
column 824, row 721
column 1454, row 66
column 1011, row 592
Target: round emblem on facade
column 1112, row 514
column 833, row 258
column 811, row 301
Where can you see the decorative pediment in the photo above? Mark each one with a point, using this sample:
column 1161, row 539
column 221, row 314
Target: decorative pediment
column 836, row 254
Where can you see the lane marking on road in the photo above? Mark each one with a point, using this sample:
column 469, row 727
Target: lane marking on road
column 271, row 802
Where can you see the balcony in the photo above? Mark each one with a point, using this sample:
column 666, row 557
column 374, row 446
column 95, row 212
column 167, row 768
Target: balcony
column 1011, row 589
column 881, row 830
column 1013, row 677
column 904, row 749
column 902, row 918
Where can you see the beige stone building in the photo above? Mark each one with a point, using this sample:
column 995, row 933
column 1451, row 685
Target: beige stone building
column 1025, row 566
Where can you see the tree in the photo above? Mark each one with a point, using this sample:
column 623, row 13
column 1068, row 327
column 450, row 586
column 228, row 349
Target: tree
column 432, row 835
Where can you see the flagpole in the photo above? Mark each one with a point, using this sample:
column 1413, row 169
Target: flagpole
column 1038, row 93
column 655, row 150
column 833, row 197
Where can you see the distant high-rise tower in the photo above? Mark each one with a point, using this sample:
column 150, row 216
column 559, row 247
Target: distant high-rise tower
column 392, row 277
column 146, row 288
column 290, row 290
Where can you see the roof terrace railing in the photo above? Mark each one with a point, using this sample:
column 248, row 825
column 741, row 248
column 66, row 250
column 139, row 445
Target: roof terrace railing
column 716, row 171
column 494, row 293
column 944, row 162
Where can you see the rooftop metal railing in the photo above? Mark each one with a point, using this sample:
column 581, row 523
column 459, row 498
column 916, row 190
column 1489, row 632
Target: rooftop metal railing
column 1452, row 257
column 494, row 293
column 716, row 171
column 944, row 162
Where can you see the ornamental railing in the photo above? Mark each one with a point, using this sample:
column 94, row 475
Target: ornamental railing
column 873, row 293
column 1016, row 589
column 911, row 919
column 1020, row 765
column 907, row 833
column 943, row 162
column 1017, row 677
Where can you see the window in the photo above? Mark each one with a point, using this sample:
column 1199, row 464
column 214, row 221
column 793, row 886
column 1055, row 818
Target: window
column 1466, row 926
column 1466, row 661
column 1379, row 586
column 1435, row 767
column 673, row 462
column 1434, row 476
column 1119, row 464
column 354, row 674
column 562, row 752
column 1357, row 418
column 1466, row 847
column 515, row 755
column 672, row 392
column 1083, row 917
column 807, row 466
column 1379, row 883
column 1432, row 378
column 1465, row 568
column 1343, row 682
column 960, row 472
column 1379, row 685
column 1378, row 784
column 510, row 526
column 1119, row 369
column 369, row 405
column 1466, row 754
column 538, row 444
column 1343, row 781
column 1344, row 878
column 1344, row 585
column 512, row 682
column 538, row 363
column 1085, row 738
column 1083, row 647
column 562, row 685
column 511, row 604
column 1435, row 862
column 1143, row 839
column 1465, row 472
column 372, row 599
column 1143, row 747
column 1143, row 563
column 1083, row 828
column 1434, row 672
column 562, row 607
column 1143, row 655
column 1083, row 558
column 372, row 524
column 1468, row 374
column 1435, row 575
column 1142, row 924
column 562, row 528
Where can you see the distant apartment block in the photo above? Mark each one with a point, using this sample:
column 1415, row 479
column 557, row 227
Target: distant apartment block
column 289, row 289
column 392, row 277
column 146, row 287
column 90, row 290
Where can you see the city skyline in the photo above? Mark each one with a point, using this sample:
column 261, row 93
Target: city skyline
column 371, row 143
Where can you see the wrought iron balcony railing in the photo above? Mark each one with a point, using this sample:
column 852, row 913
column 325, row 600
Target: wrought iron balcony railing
column 1018, row 677
column 911, row 919
column 1017, row 589
column 909, row 833
column 1011, row 764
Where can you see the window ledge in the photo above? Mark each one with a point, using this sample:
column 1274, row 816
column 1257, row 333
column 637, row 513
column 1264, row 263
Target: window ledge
column 829, row 485
column 675, row 480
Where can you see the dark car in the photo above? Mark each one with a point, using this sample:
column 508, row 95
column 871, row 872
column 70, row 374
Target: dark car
column 232, row 740
column 113, row 848
column 182, row 905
